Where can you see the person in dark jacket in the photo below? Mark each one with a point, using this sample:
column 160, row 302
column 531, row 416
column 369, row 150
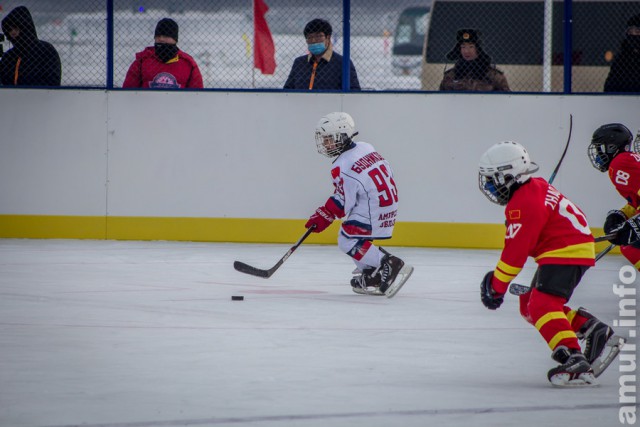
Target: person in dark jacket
column 473, row 70
column 321, row 69
column 30, row 62
column 624, row 75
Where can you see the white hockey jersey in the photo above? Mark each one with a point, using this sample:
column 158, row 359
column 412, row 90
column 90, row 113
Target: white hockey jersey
column 366, row 191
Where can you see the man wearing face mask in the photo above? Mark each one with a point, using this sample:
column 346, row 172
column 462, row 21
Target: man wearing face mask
column 164, row 65
column 321, row 69
column 624, row 75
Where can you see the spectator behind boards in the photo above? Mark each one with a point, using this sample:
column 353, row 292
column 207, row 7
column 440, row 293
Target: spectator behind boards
column 321, row 69
column 30, row 62
column 624, row 75
column 473, row 70
column 164, row 65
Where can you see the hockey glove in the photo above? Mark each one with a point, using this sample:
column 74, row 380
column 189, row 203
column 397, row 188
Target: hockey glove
column 324, row 216
column 628, row 234
column 489, row 297
column 614, row 220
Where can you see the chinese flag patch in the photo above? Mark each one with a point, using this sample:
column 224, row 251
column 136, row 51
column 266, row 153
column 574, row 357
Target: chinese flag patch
column 514, row 214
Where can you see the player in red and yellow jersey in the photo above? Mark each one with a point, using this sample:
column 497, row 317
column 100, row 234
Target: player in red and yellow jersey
column 612, row 150
column 542, row 223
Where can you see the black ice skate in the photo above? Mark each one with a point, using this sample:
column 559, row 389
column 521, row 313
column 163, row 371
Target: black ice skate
column 601, row 345
column 574, row 369
column 367, row 282
column 394, row 273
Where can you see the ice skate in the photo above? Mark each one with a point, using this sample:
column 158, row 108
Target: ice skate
column 574, row 369
column 394, row 273
column 601, row 345
column 366, row 282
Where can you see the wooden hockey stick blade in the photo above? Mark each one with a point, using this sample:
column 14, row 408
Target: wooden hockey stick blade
column 247, row 269
column 258, row 272
column 517, row 289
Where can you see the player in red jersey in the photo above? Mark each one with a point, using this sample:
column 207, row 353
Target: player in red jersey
column 612, row 150
column 544, row 224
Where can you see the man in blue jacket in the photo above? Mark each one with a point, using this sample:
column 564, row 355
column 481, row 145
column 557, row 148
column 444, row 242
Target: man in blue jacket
column 321, row 69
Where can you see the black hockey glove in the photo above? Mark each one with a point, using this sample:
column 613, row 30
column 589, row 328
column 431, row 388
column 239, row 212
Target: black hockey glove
column 614, row 220
column 489, row 297
column 628, row 234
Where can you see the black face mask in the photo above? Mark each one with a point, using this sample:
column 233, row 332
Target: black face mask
column 166, row 51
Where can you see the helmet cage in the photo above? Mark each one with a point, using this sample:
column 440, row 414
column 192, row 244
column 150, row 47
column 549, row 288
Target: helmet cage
column 607, row 142
column 331, row 145
column 601, row 155
column 496, row 187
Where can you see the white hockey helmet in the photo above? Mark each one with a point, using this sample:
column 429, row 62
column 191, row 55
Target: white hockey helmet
column 503, row 165
column 333, row 133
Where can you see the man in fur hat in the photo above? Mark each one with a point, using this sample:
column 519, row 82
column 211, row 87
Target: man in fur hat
column 473, row 70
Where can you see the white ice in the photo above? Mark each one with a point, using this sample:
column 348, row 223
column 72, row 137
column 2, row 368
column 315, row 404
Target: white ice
column 142, row 334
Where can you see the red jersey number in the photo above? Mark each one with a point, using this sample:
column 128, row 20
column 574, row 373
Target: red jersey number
column 386, row 186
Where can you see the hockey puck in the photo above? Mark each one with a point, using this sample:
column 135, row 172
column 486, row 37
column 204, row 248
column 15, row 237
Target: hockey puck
column 237, row 298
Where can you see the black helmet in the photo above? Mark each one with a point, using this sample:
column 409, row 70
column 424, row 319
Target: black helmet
column 607, row 141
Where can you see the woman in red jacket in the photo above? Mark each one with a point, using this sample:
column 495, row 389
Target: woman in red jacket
column 164, row 66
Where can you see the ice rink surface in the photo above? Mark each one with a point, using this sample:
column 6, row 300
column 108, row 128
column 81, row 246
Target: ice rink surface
column 143, row 334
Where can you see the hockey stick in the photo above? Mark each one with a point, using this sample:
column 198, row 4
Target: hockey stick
column 555, row 171
column 604, row 238
column 247, row 269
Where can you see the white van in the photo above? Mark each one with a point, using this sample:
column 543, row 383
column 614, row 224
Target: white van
column 408, row 41
column 513, row 34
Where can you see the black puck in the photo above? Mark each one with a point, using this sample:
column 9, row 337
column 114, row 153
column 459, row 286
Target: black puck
column 237, row 298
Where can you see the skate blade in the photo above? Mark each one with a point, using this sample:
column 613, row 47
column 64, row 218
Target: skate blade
column 614, row 343
column 564, row 381
column 374, row 291
column 402, row 277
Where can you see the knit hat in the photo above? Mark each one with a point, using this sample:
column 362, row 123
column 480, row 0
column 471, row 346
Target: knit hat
column 634, row 21
column 465, row 35
column 318, row 26
column 167, row 27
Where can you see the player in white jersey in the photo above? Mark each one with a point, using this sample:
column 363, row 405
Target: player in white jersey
column 367, row 198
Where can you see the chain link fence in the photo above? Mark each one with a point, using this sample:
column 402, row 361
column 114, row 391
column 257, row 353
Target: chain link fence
column 394, row 46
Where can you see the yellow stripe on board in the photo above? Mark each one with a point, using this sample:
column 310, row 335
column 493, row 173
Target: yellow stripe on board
column 241, row 230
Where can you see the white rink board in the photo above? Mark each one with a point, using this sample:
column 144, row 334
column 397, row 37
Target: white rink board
column 252, row 155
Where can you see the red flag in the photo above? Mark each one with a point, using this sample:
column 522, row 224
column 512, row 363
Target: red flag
column 264, row 51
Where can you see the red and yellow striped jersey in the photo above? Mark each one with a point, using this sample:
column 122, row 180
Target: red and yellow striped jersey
column 624, row 172
column 544, row 224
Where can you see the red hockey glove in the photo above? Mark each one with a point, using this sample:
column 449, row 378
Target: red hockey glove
column 324, row 216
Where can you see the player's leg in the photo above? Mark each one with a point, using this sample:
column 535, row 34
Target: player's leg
column 632, row 254
column 367, row 258
column 546, row 310
column 380, row 273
